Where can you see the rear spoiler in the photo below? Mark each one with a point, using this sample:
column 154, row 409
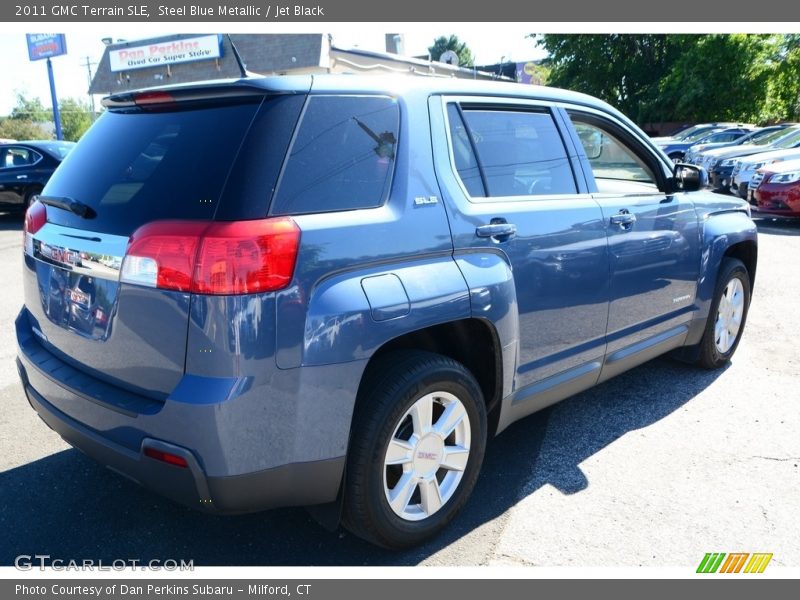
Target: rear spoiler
column 222, row 91
column 151, row 99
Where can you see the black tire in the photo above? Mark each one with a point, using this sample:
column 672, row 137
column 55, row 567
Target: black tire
column 394, row 384
column 676, row 157
column 26, row 202
column 711, row 356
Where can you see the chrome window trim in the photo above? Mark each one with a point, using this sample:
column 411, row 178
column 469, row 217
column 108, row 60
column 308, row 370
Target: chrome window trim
column 510, row 102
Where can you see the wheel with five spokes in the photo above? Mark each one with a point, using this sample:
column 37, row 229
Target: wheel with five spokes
column 727, row 316
column 416, row 449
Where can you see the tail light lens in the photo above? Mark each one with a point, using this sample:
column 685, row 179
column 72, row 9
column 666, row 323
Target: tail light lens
column 245, row 257
column 35, row 219
column 240, row 257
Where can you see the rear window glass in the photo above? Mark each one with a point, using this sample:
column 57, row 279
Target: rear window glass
column 521, row 153
column 133, row 168
column 342, row 157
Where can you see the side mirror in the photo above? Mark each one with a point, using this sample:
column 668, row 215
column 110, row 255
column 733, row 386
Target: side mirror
column 688, row 178
column 592, row 141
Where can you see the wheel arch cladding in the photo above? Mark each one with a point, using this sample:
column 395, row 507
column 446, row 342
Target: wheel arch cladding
column 472, row 342
column 730, row 234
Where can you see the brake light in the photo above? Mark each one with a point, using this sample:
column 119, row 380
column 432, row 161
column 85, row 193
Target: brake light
column 35, row 217
column 245, row 257
column 162, row 254
column 153, row 98
column 220, row 258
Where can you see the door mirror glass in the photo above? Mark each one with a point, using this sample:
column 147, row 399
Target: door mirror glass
column 689, row 178
column 592, row 141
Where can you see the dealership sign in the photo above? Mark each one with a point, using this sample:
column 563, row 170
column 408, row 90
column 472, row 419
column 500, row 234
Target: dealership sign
column 166, row 53
column 45, row 45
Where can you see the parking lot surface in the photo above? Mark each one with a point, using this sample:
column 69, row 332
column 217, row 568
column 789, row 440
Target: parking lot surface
column 655, row 467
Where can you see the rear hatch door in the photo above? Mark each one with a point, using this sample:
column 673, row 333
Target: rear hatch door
column 200, row 157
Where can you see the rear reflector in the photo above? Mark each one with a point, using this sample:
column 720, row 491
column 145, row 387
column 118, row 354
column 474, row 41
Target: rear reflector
column 220, row 258
column 172, row 459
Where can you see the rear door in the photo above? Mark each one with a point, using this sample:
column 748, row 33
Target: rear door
column 653, row 237
column 511, row 191
column 175, row 160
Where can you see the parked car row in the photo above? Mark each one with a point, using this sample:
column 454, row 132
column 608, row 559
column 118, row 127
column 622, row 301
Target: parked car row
column 763, row 158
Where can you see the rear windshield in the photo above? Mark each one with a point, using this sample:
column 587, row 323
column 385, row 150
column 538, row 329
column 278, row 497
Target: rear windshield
column 59, row 149
column 133, row 168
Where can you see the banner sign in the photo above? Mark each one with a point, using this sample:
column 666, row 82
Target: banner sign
column 46, row 45
column 166, row 53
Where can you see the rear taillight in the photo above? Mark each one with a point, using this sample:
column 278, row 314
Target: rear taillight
column 221, row 258
column 162, row 254
column 35, row 219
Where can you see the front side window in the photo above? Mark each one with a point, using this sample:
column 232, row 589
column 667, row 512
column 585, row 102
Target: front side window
column 617, row 167
column 514, row 152
column 342, row 157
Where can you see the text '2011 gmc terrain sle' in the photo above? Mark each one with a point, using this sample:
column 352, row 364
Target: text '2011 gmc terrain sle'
column 332, row 290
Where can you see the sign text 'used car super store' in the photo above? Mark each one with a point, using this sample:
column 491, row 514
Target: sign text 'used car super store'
column 154, row 55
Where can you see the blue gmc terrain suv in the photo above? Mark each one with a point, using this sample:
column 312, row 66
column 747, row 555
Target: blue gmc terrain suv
column 332, row 290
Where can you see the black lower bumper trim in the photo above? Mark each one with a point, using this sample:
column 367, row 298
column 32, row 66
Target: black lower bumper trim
column 295, row 484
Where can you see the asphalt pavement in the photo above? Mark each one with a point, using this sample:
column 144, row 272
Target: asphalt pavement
column 655, row 467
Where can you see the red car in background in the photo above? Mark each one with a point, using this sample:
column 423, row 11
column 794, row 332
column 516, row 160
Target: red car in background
column 779, row 190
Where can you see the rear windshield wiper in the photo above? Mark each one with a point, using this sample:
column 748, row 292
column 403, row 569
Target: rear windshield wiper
column 70, row 204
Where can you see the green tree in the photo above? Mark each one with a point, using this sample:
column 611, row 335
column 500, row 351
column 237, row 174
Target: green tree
column 623, row 69
column 783, row 98
column 76, row 118
column 30, row 109
column 727, row 77
column 22, row 129
column 443, row 44
column 658, row 78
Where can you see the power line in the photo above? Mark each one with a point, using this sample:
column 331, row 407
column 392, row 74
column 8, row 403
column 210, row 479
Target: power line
column 88, row 64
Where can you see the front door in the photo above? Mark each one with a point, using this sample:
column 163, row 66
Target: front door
column 513, row 198
column 653, row 237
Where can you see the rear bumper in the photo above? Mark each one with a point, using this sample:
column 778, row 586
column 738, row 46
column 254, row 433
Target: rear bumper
column 118, row 436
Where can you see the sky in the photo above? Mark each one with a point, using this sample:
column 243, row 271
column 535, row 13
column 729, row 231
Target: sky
column 489, row 44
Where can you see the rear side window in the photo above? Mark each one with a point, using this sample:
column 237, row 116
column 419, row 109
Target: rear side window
column 516, row 153
column 18, row 157
column 133, row 168
column 342, row 157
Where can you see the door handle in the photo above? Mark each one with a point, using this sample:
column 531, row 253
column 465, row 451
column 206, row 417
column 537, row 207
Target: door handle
column 624, row 219
column 500, row 231
column 22, row 176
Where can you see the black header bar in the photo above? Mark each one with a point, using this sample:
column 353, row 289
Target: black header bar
column 673, row 12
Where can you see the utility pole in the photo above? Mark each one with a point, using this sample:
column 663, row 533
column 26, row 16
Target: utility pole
column 89, row 66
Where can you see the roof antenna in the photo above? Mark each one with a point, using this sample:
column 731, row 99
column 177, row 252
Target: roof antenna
column 239, row 61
